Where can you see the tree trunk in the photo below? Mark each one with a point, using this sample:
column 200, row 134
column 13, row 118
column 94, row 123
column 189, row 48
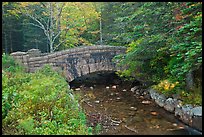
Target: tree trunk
column 6, row 46
column 101, row 31
column 11, row 41
column 51, row 28
column 189, row 81
column 101, row 42
column 5, row 40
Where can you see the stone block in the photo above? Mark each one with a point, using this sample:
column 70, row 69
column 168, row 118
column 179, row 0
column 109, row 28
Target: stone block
column 52, row 55
column 197, row 111
column 85, row 70
column 178, row 111
column 169, row 105
column 153, row 93
column 133, row 88
column 78, row 71
column 187, row 114
column 160, row 100
column 93, row 67
column 36, row 65
column 32, row 59
column 18, row 53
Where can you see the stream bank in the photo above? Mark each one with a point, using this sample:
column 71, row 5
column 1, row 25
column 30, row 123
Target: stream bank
column 120, row 110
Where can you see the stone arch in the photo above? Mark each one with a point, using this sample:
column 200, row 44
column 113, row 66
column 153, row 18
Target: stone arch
column 74, row 62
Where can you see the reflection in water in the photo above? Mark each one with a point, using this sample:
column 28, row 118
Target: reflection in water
column 120, row 112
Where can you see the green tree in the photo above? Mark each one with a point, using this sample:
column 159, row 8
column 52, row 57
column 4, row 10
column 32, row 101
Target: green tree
column 150, row 26
column 186, row 50
column 12, row 33
column 59, row 25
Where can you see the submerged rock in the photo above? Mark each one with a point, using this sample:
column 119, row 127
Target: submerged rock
column 146, row 102
column 154, row 113
column 114, row 87
column 97, row 101
column 77, row 89
column 132, row 113
column 133, row 88
column 91, row 87
column 133, row 108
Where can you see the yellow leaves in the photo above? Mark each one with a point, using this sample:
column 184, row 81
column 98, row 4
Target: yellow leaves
column 63, row 27
column 26, row 4
column 195, row 4
column 172, row 86
column 13, row 12
column 134, row 44
column 4, row 3
column 95, row 32
column 45, row 13
column 198, row 16
column 167, row 85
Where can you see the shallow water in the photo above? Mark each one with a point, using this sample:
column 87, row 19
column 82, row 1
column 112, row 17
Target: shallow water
column 120, row 112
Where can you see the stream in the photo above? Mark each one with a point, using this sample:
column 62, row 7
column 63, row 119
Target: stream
column 120, row 112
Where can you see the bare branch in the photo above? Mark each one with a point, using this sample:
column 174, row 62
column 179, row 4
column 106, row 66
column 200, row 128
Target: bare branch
column 57, row 35
column 35, row 25
column 59, row 44
column 35, row 19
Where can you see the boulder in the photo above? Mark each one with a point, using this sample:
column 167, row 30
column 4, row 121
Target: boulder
column 169, row 105
column 133, row 88
column 146, row 102
column 197, row 111
column 187, row 114
column 160, row 100
column 114, row 86
column 153, row 94
column 133, row 108
column 178, row 111
column 147, row 96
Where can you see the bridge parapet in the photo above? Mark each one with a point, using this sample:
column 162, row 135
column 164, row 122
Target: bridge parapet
column 74, row 62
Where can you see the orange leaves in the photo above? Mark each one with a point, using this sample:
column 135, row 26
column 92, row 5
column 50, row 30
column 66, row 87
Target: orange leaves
column 178, row 17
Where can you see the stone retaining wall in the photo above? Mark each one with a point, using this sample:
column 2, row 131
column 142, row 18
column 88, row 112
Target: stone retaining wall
column 188, row 114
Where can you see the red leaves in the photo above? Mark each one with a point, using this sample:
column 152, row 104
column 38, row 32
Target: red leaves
column 178, row 27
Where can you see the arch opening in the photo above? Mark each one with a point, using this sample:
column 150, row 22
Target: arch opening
column 96, row 78
column 107, row 78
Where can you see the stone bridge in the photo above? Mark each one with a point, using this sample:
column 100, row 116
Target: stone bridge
column 74, row 62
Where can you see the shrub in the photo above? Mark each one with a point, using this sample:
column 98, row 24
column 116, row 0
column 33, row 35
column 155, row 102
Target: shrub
column 40, row 103
column 10, row 65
